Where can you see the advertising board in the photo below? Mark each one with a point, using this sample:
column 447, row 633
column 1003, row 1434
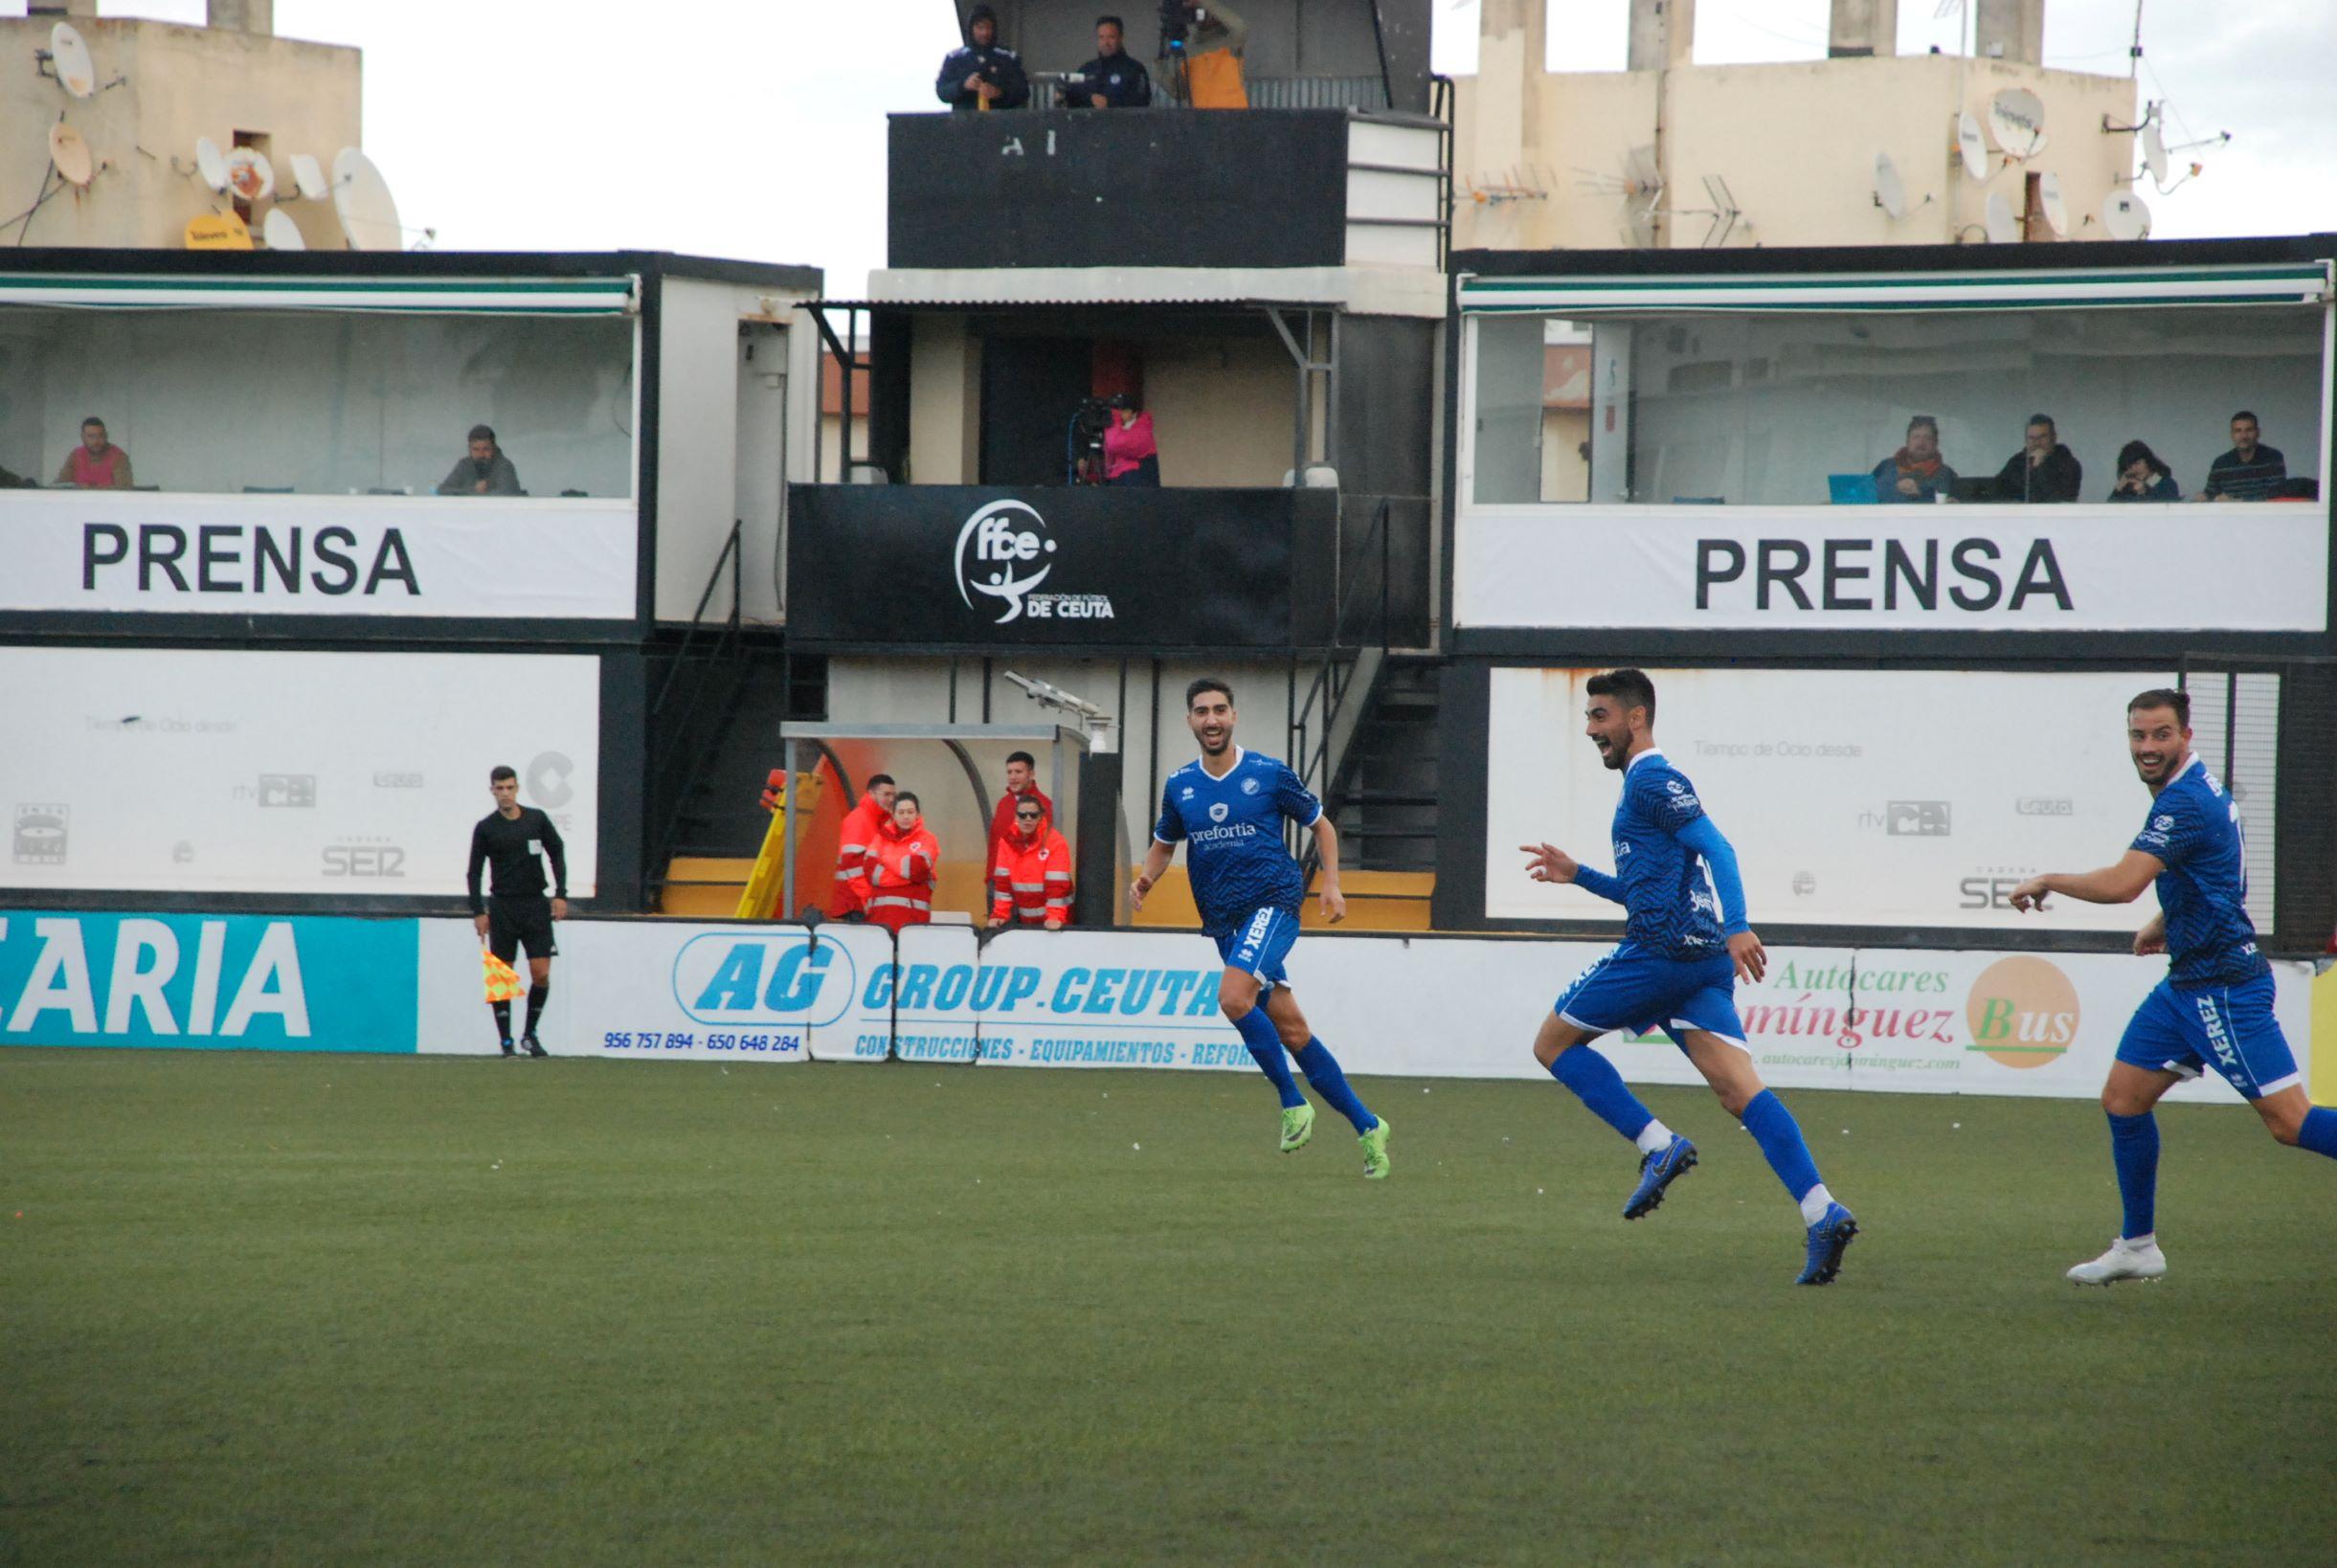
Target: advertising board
column 263, row 771
column 1904, row 798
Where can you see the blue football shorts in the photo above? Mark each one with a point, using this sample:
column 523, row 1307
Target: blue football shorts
column 1258, row 945
column 1636, row 989
column 2229, row 1028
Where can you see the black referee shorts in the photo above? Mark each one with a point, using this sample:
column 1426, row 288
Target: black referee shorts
column 516, row 923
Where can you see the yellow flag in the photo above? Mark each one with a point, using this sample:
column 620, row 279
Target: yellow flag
column 503, row 981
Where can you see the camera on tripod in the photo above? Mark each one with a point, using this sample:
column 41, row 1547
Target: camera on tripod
column 1084, row 453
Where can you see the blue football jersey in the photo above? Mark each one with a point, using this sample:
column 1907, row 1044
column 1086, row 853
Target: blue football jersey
column 1231, row 828
column 1668, row 901
column 2194, row 827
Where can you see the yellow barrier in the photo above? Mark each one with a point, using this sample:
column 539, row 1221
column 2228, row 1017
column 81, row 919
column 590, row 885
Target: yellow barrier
column 761, row 896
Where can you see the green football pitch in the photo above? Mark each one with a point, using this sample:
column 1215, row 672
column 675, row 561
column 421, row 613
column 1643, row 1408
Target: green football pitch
column 312, row 1309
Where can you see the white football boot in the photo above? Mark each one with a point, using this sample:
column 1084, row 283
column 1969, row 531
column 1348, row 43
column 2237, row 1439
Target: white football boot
column 2139, row 1258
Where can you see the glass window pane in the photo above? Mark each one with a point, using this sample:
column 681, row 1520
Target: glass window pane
column 319, row 403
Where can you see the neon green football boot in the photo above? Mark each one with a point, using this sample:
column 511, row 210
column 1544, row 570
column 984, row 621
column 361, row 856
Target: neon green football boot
column 1297, row 1126
column 1375, row 1152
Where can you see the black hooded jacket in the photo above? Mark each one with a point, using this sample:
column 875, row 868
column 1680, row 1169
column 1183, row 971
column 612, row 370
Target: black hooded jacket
column 2058, row 477
column 998, row 65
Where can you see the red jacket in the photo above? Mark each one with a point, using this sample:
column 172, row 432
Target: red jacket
column 852, row 840
column 1030, row 879
column 900, row 869
column 1002, row 815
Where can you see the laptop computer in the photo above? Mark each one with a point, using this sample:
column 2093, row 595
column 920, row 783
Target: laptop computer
column 1851, row 489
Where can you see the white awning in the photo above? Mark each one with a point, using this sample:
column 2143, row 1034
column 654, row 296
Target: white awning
column 2292, row 283
column 1361, row 290
column 425, row 296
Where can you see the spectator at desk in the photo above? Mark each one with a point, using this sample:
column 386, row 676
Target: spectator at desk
column 1915, row 471
column 984, row 74
column 2042, row 470
column 1130, row 457
column 2143, row 476
column 2251, row 471
column 97, row 463
column 485, row 472
column 1115, row 79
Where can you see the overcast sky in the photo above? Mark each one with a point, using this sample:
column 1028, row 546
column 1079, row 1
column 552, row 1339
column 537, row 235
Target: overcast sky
column 756, row 129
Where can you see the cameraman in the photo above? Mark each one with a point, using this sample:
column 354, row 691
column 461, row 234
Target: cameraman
column 985, row 73
column 1114, row 79
column 1202, row 43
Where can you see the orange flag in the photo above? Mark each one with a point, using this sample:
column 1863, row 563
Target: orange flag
column 503, row 981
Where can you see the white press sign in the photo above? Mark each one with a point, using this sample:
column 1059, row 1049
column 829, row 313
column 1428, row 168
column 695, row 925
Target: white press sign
column 2227, row 566
column 119, row 551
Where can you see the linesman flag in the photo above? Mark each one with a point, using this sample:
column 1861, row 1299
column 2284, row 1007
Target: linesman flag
column 503, row 981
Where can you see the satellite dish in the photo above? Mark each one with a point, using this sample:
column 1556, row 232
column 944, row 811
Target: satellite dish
column 76, row 72
column 2016, row 120
column 309, row 175
column 1890, row 191
column 2055, row 209
column 219, row 231
column 70, row 155
column 281, row 232
column 208, row 164
column 2003, row 228
column 250, row 174
column 1975, row 151
column 2123, row 216
column 369, row 212
column 2154, row 152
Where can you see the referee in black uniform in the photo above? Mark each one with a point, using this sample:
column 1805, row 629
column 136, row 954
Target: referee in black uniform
column 517, row 839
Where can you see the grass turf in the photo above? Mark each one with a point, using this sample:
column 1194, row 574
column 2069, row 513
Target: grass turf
column 331, row 1308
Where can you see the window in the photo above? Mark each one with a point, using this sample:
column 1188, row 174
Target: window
column 1800, row 407
column 320, row 402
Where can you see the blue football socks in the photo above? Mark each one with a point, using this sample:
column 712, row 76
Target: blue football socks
column 1321, row 1068
column 1779, row 1137
column 1597, row 1085
column 2134, row 1145
column 1257, row 1032
column 2320, row 1131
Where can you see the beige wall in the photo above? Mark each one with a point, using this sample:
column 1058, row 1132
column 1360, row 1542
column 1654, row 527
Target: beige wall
column 1795, row 142
column 1222, row 410
column 945, row 387
column 182, row 83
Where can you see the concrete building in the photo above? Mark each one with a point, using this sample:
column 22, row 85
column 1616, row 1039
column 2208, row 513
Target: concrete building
column 1571, row 160
column 157, row 87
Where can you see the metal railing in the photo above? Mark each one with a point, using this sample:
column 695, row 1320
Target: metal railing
column 1314, row 738
column 2267, row 727
column 682, row 752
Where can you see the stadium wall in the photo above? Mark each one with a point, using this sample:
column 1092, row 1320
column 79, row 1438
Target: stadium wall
column 1976, row 1022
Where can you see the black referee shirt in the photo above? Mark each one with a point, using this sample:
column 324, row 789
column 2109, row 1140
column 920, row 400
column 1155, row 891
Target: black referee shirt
column 516, row 847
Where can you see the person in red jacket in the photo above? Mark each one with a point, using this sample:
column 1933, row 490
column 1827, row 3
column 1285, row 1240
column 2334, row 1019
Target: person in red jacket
column 1022, row 774
column 902, row 865
column 851, row 894
column 1030, row 873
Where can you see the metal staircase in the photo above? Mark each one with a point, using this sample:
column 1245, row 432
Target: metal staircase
column 1384, row 800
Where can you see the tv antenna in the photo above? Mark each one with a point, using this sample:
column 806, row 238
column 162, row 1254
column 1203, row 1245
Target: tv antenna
column 1094, row 722
column 1724, row 213
column 1890, row 191
column 2123, row 216
column 67, row 59
column 2049, row 202
column 281, row 232
column 2016, row 122
column 2157, row 156
column 1969, row 146
column 2003, row 228
column 1641, row 186
column 1526, row 182
column 308, row 175
column 210, row 166
column 369, row 212
column 250, row 174
column 75, row 164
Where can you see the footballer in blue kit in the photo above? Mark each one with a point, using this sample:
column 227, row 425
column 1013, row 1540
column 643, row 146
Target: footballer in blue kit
column 1685, row 941
column 2214, row 1007
column 1227, row 808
